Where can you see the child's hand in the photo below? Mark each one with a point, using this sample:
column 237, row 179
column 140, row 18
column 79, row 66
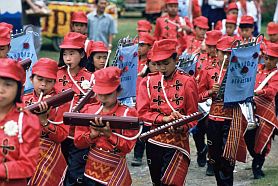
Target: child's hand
column 98, row 126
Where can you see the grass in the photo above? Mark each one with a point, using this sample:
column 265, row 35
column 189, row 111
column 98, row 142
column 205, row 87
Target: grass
column 270, row 178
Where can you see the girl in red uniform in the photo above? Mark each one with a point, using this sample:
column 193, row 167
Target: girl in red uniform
column 52, row 163
column 19, row 129
column 106, row 164
column 97, row 53
column 72, row 74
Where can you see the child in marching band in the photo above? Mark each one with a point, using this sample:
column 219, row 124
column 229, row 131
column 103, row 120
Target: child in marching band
column 97, row 53
column 79, row 23
column 272, row 32
column 106, row 163
column 246, row 28
column 258, row 140
column 161, row 102
column 44, row 74
column 5, row 39
column 20, row 130
column 72, row 74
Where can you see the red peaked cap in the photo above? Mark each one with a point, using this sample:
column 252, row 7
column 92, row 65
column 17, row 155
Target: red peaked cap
column 107, row 80
column 171, row 2
column 247, row 20
column 146, row 38
column 213, row 36
column 232, row 6
column 96, row 46
column 46, row 68
column 231, row 19
column 79, row 17
column 271, row 49
column 272, row 28
column 144, row 26
column 201, row 22
column 73, row 40
column 163, row 49
column 7, row 25
column 12, row 69
column 225, row 43
column 5, row 35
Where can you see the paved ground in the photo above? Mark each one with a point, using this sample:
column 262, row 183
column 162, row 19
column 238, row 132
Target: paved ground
column 196, row 175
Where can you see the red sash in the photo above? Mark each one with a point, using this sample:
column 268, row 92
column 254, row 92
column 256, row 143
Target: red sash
column 107, row 168
column 51, row 165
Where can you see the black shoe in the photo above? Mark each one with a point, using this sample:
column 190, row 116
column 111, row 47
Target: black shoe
column 202, row 157
column 136, row 162
column 209, row 171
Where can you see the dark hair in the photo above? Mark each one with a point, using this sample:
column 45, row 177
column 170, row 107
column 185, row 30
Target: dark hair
column 246, row 26
column 174, row 56
column 18, row 93
column 119, row 88
column 82, row 63
column 90, row 63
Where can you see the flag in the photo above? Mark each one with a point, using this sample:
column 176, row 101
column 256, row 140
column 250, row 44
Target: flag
column 241, row 74
column 22, row 47
column 127, row 61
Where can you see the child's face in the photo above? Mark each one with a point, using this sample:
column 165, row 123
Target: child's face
column 246, row 33
column 42, row 84
column 152, row 67
column 230, row 28
column 8, row 91
column 79, row 28
column 273, row 38
column 143, row 49
column 172, row 9
column 99, row 60
column 211, row 50
column 220, row 56
column 270, row 62
column 4, row 51
column 108, row 100
column 200, row 32
column 166, row 67
column 72, row 57
column 233, row 12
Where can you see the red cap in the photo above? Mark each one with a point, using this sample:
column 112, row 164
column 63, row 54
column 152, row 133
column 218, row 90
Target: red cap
column 5, row 36
column 7, row 25
column 12, row 69
column 213, row 36
column 225, row 43
column 272, row 28
column 271, row 49
column 201, row 22
column 247, row 20
column 46, row 68
column 144, row 26
column 107, row 80
column 232, row 6
column 73, row 40
column 79, row 17
column 146, row 38
column 171, row 2
column 96, row 46
column 231, row 19
column 163, row 49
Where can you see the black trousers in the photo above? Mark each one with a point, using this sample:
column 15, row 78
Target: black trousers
column 199, row 134
column 140, row 145
column 76, row 159
column 258, row 159
column 217, row 134
column 158, row 161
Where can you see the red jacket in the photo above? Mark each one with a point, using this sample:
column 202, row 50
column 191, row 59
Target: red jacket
column 82, row 134
column 271, row 88
column 21, row 159
column 56, row 133
column 181, row 91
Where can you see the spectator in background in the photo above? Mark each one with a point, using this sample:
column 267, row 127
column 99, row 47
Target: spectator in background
column 101, row 25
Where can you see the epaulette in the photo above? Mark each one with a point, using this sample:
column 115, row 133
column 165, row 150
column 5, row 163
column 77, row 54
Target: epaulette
column 59, row 68
column 180, row 71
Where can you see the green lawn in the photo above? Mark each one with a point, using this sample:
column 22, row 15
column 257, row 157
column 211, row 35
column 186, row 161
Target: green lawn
column 270, row 178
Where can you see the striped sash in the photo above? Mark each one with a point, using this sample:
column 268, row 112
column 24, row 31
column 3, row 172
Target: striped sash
column 51, row 165
column 107, row 168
